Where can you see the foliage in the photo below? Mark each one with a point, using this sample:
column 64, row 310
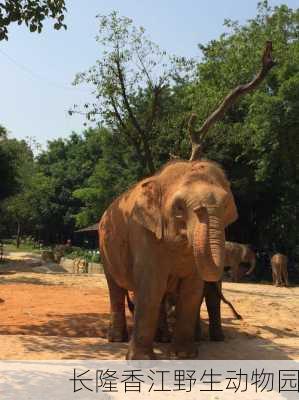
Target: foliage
column 67, row 165
column 114, row 171
column 3, row 133
column 32, row 12
column 79, row 252
column 257, row 141
column 39, row 195
column 131, row 83
column 14, row 155
column 24, row 246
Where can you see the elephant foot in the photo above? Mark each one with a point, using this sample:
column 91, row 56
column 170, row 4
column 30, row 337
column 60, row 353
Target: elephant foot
column 217, row 336
column 216, row 333
column 163, row 337
column 115, row 335
column 197, row 336
column 136, row 353
column 186, row 352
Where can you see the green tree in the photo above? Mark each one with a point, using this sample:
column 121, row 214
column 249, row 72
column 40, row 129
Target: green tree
column 13, row 155
column 32, row 12
column 67, row 165
column 132, row 81
column 115, row 170
column 18, row 211
column 16, row 171
column 256, row 141
column 3, row 133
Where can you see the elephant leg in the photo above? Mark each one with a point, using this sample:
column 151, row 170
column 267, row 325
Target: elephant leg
column 198, row 321
column 285, row 275
column 273, row 277
column 148, row 298
column 276, row 276
column 213, row 303
column 118, row 325
column 163, row 334
column 235, row 273
column 279, row 275
column 198, row 329
column 187, row 310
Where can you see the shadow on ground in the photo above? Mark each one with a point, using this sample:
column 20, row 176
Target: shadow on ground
column 29, row 280
column 67, row 325
column 83, row 336
column 30, row 263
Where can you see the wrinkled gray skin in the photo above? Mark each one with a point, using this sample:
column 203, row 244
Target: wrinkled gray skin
column 236, row 254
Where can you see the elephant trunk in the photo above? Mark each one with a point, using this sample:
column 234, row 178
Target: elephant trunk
column 209, row 244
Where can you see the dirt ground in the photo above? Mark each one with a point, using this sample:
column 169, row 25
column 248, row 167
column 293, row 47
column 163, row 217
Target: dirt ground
column 64, row 316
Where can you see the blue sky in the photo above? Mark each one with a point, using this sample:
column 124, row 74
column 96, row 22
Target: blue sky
column 36, row 71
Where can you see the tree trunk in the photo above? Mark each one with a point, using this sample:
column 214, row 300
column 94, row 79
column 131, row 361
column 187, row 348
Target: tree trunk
column 18, row 234
column 148, row 156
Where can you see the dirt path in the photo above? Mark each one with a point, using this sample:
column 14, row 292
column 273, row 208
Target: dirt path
column 58, row 316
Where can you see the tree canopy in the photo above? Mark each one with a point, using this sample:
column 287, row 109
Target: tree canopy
column 132, row 82
column 32, row 13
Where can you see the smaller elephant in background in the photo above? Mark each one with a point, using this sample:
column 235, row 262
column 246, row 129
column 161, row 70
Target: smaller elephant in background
column 237, row 253
column 80, row 266
column 279, row 265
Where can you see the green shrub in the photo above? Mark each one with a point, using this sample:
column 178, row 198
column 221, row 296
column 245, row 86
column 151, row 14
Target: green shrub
column 76, row 252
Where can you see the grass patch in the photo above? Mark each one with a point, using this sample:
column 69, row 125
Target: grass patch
column 24, row 247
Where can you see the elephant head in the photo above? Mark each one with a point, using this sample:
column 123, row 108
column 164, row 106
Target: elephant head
column 189, row 204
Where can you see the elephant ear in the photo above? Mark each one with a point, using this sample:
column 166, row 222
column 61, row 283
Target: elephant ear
column 231, row 212
column 147, row 208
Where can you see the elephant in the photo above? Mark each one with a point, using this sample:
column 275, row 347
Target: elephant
column 165, row 234
column 80, row 265
column 237, row 253
column 279, row 265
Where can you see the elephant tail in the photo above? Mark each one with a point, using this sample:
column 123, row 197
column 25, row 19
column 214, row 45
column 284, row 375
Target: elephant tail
column 131, row 305
column 236, row 314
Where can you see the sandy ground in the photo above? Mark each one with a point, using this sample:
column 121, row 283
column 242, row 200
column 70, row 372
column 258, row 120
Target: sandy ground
column 60, row 316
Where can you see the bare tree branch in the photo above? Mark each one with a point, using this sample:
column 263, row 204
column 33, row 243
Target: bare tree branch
column 116, row 113
column 196, row 137
column 125, row 98
column 143, row 69
column 154, row 108
column 135, row 123
column 131, row 139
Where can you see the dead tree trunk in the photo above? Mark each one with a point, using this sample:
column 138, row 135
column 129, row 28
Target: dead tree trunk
column 196, row 137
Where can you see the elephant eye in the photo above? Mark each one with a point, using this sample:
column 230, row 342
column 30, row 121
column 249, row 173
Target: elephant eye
column 178, row 210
